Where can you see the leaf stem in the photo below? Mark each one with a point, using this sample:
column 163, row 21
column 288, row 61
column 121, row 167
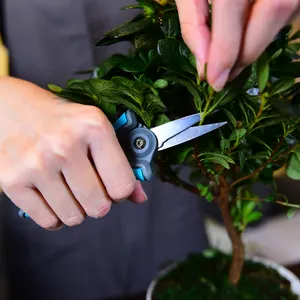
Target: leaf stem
column 203, row 115
column 200, row 164
column 270, row 159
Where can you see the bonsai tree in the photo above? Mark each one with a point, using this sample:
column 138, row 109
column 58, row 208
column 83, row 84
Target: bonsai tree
column 158, row 80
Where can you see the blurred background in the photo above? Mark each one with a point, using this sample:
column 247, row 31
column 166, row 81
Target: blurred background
column 276, row 238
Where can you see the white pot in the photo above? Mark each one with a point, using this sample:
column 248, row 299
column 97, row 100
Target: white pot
column 293, row 279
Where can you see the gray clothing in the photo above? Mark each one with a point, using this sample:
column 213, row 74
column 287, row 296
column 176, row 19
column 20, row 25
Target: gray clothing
column 100, row 259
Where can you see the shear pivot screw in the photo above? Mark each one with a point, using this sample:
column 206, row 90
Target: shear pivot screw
column 139, row 143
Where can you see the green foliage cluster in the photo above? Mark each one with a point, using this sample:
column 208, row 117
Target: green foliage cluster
column 203, row 276
column 158, row 80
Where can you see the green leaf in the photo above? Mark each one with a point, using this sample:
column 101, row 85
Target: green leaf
column 293, row 167
column 219, row 155
column 192, row 60
column 231, row 117
column 254, row 216
column 168, row 50
column 224, row 144
column 55, row 88
column 161, row 119
column 291, row 212
column 125, row 30
column 209, row 197
column 271, row 198
column 242, row 160
column 170, row 24
column 107, row 107
column 241, row 104
column 203, row 189
column 286, row 69
column 237, row 134
column 133, row 65
column 275, row 55
column 146, row 40
column 160, row 84
column 281, row 85
column 268, row 123
column 108, row 64
column 181, row 153
column 190, row 86
column 294, row 48
column 295, row 36
column 154, row 104
column 263, row 71
column 184, row 50
column 210, row 253
column 218, row 160
column 248, row 207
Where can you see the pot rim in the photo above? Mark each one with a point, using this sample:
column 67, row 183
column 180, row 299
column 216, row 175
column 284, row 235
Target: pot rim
column 283, row 271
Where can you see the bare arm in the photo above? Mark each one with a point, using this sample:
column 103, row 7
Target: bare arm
column 45, row 145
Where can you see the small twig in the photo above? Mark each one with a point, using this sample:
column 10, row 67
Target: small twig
column 200, row 164
column 175, row 179
column 257, row 171
column 288, row 204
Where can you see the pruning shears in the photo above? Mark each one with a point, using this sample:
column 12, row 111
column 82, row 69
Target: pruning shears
column 141, row 143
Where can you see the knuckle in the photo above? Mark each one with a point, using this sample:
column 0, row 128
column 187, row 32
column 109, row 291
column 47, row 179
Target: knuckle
column 73, row 220
column 57, row 150
column 123, row 190
column 49, row 223
column 100, row 211
column 11, row 183
column 97, row 123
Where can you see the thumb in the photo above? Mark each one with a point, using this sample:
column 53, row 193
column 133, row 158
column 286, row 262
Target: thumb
column 193, row 16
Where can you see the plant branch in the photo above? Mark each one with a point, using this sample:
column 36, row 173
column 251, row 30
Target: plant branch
column 174, row 179
column 257, row 171
column 238, row 249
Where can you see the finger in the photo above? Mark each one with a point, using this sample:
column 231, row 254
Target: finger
column 193, row 15
column 86, row 184
column 266, row 19
column 33, row 203
column 54, row 189
column 138, row 195
column 229, row 18
column 111, row 163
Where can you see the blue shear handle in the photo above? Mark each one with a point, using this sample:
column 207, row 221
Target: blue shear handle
column 23, row 214
column 139, row 174
column 121, row 122
column 123, row 126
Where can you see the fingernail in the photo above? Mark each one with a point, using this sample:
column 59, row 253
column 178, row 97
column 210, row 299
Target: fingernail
column 235, row 73
column 57, row 228
column 139, row 195
column 220, row 82
column 199, row 68
column 145, row 195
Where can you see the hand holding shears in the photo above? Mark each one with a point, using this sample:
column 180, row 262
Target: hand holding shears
column 141, row 144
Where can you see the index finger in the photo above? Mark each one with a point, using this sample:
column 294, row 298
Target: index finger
column 194, row 16
column 109, row 158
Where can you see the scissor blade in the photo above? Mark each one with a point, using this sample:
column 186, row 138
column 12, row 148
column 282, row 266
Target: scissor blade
column 166, row 131
column 190, row 134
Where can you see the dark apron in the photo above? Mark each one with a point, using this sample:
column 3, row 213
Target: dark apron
column 120, row 254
